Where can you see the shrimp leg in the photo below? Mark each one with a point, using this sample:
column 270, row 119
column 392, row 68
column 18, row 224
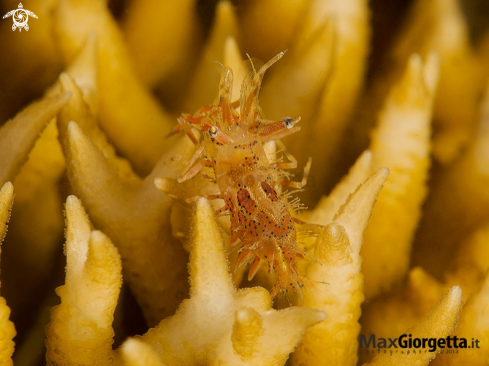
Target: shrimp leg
column 303, row 182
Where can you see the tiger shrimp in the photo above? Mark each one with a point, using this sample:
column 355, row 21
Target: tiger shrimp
column 232, row 148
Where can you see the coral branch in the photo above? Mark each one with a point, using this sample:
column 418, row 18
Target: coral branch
column 301, row 77
column 78, row 110
column 123, row 99
column 6, row 202
column 352, row 33
column 471, row 263
column 7, row 332
column 391, row 316
column 136, row 216
column 158, row 19
column 270, row 27
column 401, row 142
column 329, row 205
column 338, row 289
column 81, row 326
column 440, row 322
column 437, row 26
column 463, row 190
column 137, row 353
column 17, row 136
column 220, row 324
column 204, row 85
column 234, row 61
column 473, row 325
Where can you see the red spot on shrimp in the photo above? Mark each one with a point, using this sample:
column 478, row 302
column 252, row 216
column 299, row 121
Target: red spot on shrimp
column 269, row 191
column 241, row 218
column 245, row 200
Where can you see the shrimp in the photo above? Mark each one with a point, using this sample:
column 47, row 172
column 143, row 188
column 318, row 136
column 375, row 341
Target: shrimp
column 232, row 147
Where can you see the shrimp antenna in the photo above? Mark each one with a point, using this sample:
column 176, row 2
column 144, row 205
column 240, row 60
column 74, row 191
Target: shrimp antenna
column 252, row 64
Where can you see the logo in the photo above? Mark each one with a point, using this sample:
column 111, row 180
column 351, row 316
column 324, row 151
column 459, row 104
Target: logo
column 406, row 344
column 20, row 17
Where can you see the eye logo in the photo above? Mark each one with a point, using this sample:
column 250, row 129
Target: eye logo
column 20, row 17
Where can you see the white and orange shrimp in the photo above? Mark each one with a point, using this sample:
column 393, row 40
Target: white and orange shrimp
column 232, row 147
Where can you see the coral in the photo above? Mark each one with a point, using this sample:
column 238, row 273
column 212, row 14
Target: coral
column 218, row 324
column 7, row 327
column 438, row 323
column 393, row 113
column 118, row 84
column 80, row 331
column 338, row 270
column 18, row 135
column 405, row 115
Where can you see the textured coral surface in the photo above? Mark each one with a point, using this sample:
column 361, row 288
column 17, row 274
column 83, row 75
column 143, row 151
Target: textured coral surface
column 108, row 260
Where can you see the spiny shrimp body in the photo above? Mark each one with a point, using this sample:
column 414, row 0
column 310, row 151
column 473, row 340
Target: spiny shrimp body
column 259, row 217
column 233, row 150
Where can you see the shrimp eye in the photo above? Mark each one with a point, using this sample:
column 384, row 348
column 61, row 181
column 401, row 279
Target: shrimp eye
column 213, row 131
column 289, row 122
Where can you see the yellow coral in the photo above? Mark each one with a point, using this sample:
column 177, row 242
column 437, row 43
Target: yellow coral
column 350, row 19
column 204, row 85
column 218, row 324
column 137, row 217
column 436, row 26
column 400, row 142
column 157, row 18
column 474, row 325
column 17, row 136
column 81, row 331
column 118, row 84
column 463, row 188
column 440, row 322
column 339, row 281
column 106, row 73
column 7, row 332
column 138, row 353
